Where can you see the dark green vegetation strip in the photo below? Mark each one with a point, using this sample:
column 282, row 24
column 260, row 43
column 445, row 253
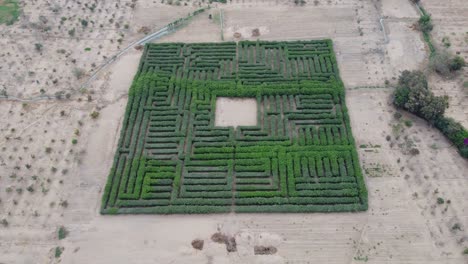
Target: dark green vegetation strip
column 301, row 156
column 9, row 11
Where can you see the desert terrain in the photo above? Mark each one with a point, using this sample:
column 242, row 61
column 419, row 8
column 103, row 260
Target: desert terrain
column 56, row 153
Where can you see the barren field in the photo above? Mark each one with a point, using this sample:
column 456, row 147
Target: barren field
column 56, row 155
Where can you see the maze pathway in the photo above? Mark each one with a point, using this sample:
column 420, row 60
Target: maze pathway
column 300, row 157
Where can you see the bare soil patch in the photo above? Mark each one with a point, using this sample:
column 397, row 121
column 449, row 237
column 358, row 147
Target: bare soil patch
column 236, row 112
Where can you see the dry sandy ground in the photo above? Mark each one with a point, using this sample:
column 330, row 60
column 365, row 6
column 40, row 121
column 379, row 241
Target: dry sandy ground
column 235, row 112
column 404, row 223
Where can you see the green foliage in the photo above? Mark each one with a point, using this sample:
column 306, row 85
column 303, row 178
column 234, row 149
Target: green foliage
column 425, row 23
column 171, row 157
column 62, row 233
column 457, row 63
column 9, row 11
column 408, row 123
column 38, row 46
column 84, row 23
column 455, row 132
column 94, row 114
column 440, row 200
column 58, row 252
column 413, row 95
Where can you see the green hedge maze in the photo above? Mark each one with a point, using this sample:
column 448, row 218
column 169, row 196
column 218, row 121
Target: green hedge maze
column 300, row 157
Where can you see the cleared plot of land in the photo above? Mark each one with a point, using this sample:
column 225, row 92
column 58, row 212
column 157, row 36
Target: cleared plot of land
column 300, row 157
column 235, row 112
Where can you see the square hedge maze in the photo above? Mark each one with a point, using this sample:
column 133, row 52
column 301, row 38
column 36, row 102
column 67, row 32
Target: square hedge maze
column 300, row 157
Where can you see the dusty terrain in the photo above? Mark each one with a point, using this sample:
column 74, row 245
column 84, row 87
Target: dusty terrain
column 47, row 180
column 235, row 112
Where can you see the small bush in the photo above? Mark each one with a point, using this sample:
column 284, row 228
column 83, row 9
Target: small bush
column 397, row 115
column 74, row 141
column 5, row 222
column 79, row 73
column 414, row 151
column 425, row 23
column 408, row 123
column 62, row 233
column 457, row 63
column 58, row 252
column 71, row 32
column 38, row 46
column 94, row 114
column 456, row 226
column 444, row 63
column 465, row 251
column 440, row 200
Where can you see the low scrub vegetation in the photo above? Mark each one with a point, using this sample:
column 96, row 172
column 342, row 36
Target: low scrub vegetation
column 413, row 95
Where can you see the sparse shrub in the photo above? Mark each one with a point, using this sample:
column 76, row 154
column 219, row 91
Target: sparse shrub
column 5, row 222
column 457, row 63
column 465, row 251
column 408, row 123
column 84, row 23
column 414, row 151
column 58, row 252
column 444, row 63
column 64, row 204
column 62, row 233
column 59, row 95
column 48, row 150
column 74, row 141
column 94, row 115
column 79, row 73
column 440, row 200
column 456, row 226
column 38, row 46
column 465, row 84
column 397, row 115
column 425, row 23
column 71, row 32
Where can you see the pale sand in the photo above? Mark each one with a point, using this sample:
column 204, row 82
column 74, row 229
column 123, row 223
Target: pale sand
column 236, row 112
